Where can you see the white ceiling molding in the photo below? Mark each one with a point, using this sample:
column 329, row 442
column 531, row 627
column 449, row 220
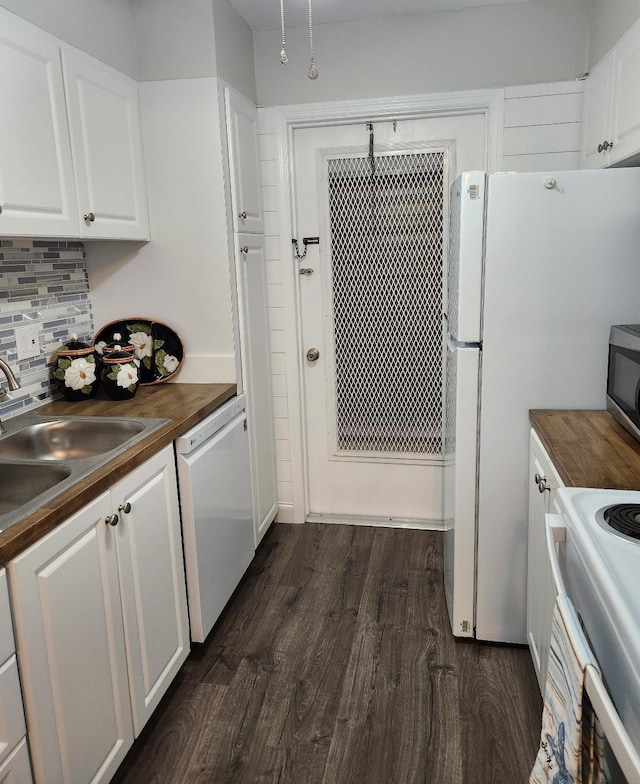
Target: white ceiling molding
column 262, row 15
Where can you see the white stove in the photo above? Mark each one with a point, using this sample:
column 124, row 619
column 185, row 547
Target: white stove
column 600, row 565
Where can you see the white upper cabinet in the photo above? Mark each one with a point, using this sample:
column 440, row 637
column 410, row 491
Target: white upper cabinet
column 611, row 118
column 71, row 161
column 625, row 112
column 37, row 193
column 244, row 161
column 104, row 122
column 596, row 115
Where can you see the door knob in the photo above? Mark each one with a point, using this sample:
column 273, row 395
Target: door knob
column 90, row 217
column 313, row 354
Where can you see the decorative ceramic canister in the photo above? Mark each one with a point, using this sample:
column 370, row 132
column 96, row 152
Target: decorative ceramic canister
column 117, row 344
column 75, row 370
column 120, row 377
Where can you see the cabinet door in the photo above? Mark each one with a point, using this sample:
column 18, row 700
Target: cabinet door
column 244, row 162
column 540, row 587
column 152, row 580
column 625, row 114
column 16, row 768
column 104, row 121
column 37, row 192
column 256, row 369
column 596, row 115
column 71, row 650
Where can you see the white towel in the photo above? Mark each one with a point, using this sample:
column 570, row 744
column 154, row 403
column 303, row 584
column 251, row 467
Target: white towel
column 560, row 756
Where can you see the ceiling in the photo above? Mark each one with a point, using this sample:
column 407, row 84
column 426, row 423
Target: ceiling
column 265, row 14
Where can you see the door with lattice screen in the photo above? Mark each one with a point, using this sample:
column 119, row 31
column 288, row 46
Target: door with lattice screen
column 371, row 305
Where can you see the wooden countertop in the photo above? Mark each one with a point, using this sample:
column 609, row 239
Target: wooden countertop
column 589, row 448
column 183, row 404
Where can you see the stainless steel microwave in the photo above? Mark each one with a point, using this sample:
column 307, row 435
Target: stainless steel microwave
column 623, row 378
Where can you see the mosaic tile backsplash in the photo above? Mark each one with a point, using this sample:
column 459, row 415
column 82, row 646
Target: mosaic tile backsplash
column 43, row 283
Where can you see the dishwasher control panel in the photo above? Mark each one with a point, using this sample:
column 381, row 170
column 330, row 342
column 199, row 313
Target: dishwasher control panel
column 211, row 425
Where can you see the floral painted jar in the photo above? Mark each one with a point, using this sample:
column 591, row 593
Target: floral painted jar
column 120, row 376
column 75, row 370
column 117, row 344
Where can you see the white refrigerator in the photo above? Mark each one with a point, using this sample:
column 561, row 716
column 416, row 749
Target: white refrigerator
column 540, row 266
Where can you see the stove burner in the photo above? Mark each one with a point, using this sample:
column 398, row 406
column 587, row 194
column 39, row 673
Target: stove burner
column 624, row 518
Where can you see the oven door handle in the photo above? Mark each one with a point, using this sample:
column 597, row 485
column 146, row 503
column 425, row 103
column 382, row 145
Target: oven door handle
column 621, row 744
column 555, row 531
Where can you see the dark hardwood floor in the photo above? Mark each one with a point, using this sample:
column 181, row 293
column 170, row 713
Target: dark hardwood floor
column 334, row 664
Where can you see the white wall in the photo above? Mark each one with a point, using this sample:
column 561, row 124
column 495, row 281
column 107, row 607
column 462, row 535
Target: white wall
column 182, row 275
column 610, row 19
column 175, row 40
column 234, row 49
column 491, row 46
column 103, row 28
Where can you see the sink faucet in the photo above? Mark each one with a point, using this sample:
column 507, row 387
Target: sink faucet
column 13, row 385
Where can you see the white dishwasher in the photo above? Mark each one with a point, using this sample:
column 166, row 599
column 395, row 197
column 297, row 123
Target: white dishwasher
column 214, row 481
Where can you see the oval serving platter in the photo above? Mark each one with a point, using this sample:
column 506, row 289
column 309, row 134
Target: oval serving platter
column 157, row 346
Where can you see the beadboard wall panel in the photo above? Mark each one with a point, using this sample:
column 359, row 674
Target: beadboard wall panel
column 542, row 127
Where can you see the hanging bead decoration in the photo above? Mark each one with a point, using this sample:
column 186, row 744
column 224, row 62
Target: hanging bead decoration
column 284, row 59
column 312, row 73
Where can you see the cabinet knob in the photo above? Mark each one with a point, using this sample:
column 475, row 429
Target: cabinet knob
column 313, row 355
column 607, row 146
column 242, row 215
column 112, row 519
column 543, row 486
column 126, row 508
column 244, row 249
column 0, row 209
column 90, row 217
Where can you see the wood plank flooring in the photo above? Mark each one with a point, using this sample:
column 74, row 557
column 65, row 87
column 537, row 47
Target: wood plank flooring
column 334, row 664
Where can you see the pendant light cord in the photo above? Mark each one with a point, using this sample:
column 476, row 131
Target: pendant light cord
column 313, row 71
column 284, row 59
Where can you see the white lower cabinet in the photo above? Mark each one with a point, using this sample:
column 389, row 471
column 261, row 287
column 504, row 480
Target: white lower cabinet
column 544, row 482
column 256, row 368
column 101, row 622
column 14, row 756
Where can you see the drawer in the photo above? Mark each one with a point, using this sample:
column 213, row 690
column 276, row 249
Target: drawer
column 7, row 645
column 16, row 769
column 12, row 727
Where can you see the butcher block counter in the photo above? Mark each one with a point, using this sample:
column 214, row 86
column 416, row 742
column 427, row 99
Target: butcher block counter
column 589, row 448
column 183, row 404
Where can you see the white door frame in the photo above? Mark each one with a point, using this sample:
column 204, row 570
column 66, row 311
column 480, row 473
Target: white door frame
column 284, row 121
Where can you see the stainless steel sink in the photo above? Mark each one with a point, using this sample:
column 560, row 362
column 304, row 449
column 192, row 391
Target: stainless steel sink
column 20, row 483
column 41, row 457
column 68, row 439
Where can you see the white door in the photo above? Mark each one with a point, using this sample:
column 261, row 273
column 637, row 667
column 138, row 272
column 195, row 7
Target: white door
column 256, row 370
column 152, row 580
column 371, row 307
column 70, row 640
column 596, row 115
column 244, row 161
column 104, row 121
column 37, row 192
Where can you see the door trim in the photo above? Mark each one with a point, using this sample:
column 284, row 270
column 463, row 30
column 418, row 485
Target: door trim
column 283, row 121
